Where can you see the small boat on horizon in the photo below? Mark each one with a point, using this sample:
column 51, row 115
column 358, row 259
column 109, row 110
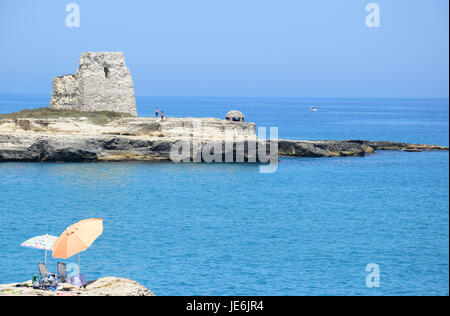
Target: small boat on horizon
column 314, row 109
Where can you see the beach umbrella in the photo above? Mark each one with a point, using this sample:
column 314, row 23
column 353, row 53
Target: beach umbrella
column 77, row 238
column 45, row 242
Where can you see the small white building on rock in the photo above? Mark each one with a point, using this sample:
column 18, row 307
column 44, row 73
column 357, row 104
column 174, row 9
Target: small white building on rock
column 102, row 83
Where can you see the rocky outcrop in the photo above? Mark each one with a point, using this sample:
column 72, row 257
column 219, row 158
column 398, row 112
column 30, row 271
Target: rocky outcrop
column 151, row 139
column 344, row 148
column 109, row 286
column 102, row 83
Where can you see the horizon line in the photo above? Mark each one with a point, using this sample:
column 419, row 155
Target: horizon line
column 248, row 97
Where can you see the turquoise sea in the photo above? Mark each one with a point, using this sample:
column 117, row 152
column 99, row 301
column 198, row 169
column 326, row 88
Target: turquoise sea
column 210, row 229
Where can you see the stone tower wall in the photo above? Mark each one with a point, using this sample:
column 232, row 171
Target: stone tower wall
column 102, row 83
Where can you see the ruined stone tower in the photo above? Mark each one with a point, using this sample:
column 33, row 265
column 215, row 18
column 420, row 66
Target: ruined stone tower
column 102, row 83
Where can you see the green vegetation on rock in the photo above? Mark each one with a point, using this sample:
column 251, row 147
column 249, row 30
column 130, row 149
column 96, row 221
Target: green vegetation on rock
column 99, row 118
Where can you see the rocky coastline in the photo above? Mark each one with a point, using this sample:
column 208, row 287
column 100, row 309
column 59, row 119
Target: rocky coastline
column 92, row 117
column 82, row 139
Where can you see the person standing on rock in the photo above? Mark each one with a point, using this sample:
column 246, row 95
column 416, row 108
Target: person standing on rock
column 162, row 115
column 157, row 112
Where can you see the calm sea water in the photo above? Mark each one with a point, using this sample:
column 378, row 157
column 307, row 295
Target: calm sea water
column 309, row 229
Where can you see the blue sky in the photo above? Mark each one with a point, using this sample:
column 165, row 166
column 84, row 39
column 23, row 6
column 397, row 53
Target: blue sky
column 293, row 48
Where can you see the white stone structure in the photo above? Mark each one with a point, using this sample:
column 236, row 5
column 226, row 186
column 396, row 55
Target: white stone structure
column 102, row 83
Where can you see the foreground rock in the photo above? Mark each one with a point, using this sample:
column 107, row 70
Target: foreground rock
column 150, row 139
column 110, row 286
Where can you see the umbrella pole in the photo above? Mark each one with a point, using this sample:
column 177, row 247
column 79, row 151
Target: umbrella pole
column 45, row 257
